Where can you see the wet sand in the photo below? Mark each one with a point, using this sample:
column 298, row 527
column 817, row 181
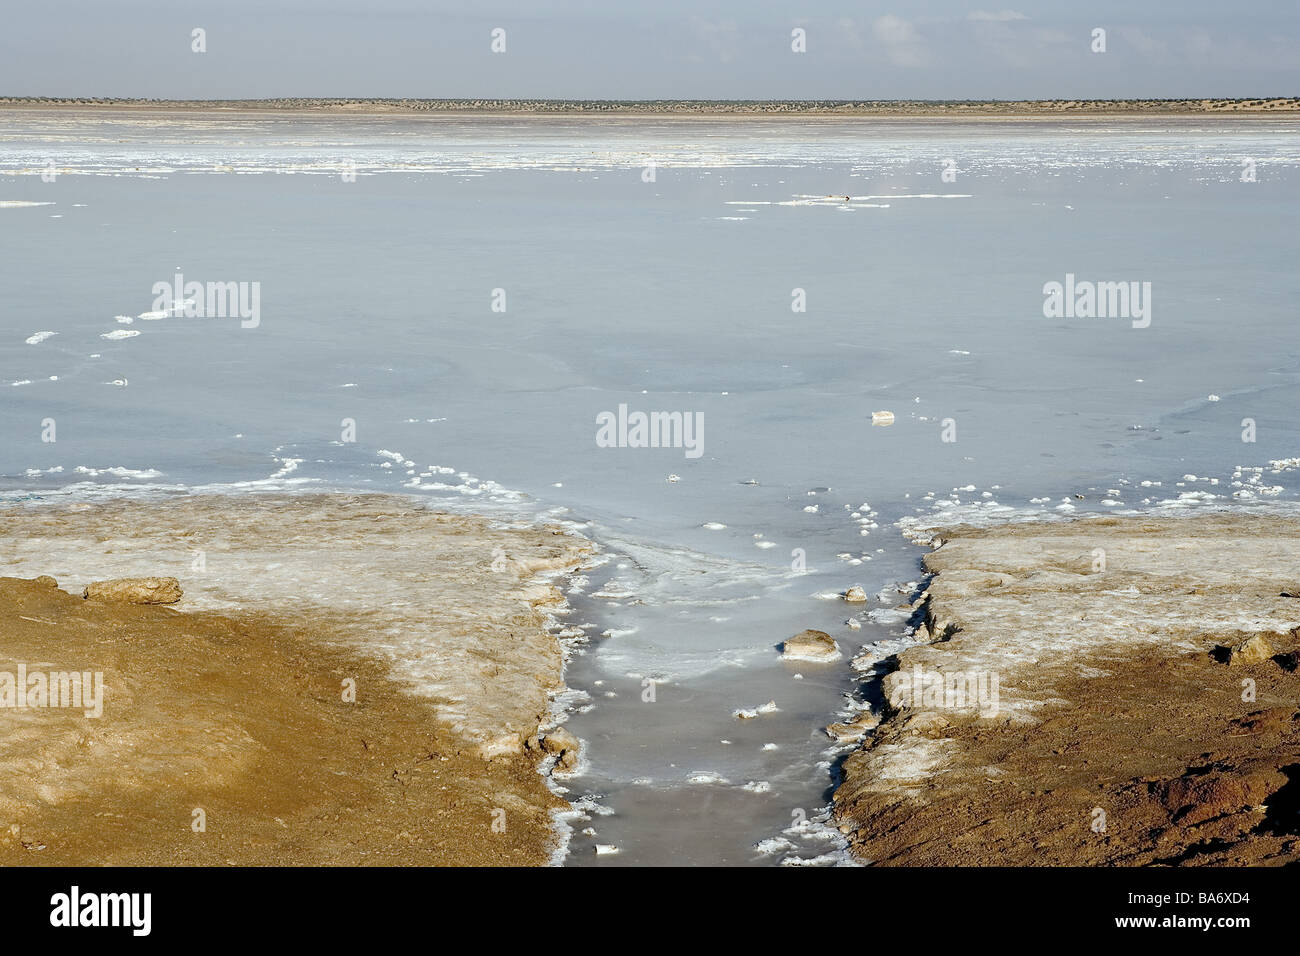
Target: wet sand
column 1146, row 708
column 236, row 700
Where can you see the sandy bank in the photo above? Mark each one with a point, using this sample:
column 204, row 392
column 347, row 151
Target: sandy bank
column 235, row 701
column 1082, row 713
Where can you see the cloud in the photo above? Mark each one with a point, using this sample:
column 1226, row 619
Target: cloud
column 847, row 31
column 893, row 30
column 1001, row 16
column 720, row 36
column 903, row 44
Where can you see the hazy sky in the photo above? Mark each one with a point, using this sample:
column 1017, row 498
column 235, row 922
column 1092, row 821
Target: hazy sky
column 620, row 49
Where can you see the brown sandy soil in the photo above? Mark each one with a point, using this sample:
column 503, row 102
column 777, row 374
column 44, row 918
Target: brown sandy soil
column 244, row 718
column 1114, row 707
column 233, row 701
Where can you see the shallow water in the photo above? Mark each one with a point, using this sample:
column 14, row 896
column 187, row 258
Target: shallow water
column 924, row 297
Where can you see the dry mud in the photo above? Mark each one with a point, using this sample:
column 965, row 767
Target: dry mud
column 235, row 701
column 1125, row 730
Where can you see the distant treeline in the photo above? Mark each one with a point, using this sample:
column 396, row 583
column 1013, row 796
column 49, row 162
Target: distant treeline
column 1266, row 104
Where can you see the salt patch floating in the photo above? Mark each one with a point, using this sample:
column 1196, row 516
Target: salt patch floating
column 36, row 338
column 920, row 196
column 153, row 316
column 119, row 334
column 882, row 418
column 743, row 713
column 20, row 204
column 706, row 777
column 826, row 859
column 119, row 472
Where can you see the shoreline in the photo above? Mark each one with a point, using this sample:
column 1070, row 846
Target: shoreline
column 1142, row 682
column 878, row 109
column 448, row 622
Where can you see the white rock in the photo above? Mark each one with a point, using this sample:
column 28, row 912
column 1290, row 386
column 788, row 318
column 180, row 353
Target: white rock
column 810, row 646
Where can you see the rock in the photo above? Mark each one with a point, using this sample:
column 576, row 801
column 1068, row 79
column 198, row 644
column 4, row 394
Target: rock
column 46, row 581
column 558, row 740
column 853, row 730
column 1273, row 720
column 749, row 713
column 135, row 591
column 564, row 745
column 1253, row 650
column 855, row 595
column 810, row 646
column 1193, row 800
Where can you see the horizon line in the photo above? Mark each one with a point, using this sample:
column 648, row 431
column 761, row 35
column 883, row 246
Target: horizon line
column 1059, row 105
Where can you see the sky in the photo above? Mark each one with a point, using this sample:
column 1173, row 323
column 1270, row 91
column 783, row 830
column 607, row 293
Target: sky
column 661, row 49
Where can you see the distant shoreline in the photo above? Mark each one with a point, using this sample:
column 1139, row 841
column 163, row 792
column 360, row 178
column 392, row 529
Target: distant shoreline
column 1270, row 106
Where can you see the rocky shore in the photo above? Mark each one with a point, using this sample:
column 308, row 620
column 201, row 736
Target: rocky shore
column 314, row 679
column 1102, row 691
